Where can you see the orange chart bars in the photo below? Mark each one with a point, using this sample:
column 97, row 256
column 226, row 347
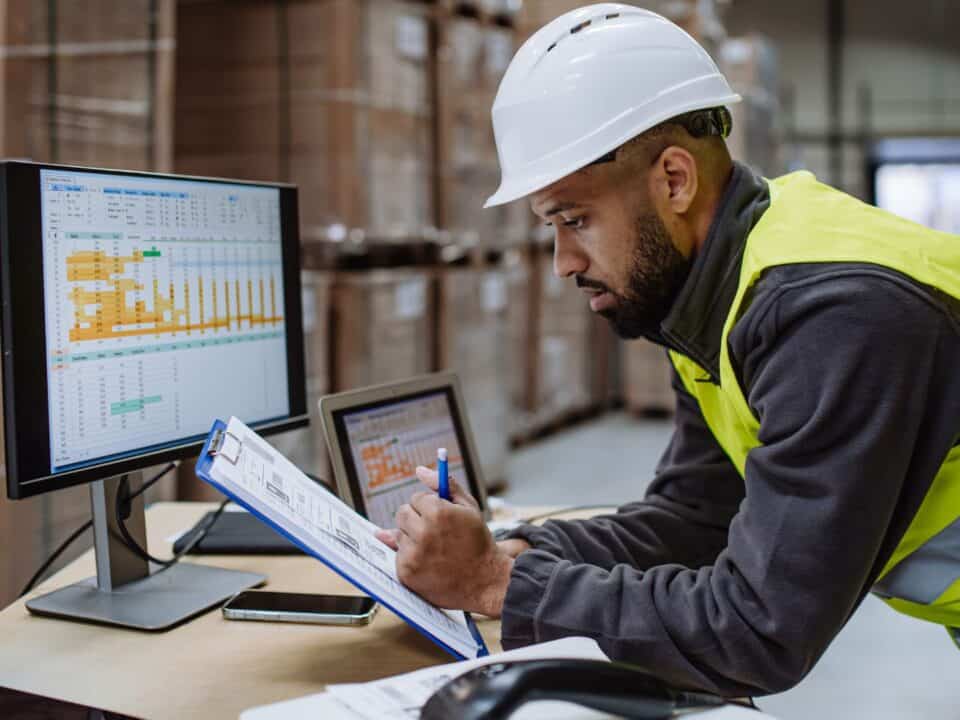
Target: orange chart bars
column 201, row 325
column 273, row 303
column 236, row 286
column 382, row 465
column 262, row 306
column 226, row 299
column 216, row 318
column 118, row 310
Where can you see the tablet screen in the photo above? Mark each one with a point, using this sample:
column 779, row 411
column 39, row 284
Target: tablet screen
column 383, row 443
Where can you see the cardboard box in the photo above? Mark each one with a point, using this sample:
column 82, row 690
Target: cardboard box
column 646, row 378
column 382, row 326
column 700, row 18
column 333, row 95
column 89, row 83
column 604, row 351
column 562, row 380
column 750, row 64
column 472, row 58
column 471, row 339
column 522, row 314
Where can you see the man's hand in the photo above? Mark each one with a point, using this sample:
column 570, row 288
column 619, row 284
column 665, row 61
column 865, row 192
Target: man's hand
column 445, row 553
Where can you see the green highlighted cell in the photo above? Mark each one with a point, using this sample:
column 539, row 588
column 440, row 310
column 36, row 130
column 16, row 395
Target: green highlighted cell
column 152, row 252
column 136, row 405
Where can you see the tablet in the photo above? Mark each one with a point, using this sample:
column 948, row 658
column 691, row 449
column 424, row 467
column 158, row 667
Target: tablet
column 378, row 436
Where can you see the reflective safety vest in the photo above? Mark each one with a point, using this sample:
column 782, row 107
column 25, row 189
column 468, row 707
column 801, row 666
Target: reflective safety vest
column 809, row 222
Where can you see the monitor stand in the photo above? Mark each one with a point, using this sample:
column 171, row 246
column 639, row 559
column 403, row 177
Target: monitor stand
column 125, row 592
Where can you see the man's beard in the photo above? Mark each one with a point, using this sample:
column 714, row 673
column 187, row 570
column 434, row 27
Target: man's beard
column 657, row 272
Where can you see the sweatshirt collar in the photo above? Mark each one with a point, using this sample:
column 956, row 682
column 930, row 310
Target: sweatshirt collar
column 694, row 325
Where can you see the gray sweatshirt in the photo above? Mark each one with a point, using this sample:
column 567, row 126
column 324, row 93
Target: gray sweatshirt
column 734, row 585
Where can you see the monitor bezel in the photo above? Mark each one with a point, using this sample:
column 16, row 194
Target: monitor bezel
column 334, row 407
column 26, row 431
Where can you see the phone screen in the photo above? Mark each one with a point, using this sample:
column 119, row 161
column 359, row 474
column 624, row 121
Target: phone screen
column 301, row 603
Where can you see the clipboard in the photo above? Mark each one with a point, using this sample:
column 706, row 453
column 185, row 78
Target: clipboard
column 222, row 445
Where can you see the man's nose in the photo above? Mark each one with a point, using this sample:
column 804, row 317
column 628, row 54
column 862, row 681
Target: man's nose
column 568, row 257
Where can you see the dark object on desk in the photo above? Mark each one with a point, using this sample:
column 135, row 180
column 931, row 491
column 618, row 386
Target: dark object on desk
column 237, row 533
column 495, row 691
column 14, row 704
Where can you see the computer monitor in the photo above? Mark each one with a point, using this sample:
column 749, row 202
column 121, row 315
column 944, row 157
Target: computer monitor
column 138, row 307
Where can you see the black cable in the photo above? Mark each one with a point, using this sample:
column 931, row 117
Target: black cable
column 121, row 508
column 56, row 553
column 83, row 528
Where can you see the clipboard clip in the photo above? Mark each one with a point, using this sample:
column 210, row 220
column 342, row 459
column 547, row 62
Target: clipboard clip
column 226, row 445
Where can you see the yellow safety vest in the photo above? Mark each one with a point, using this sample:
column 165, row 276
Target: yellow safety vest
column 809, row 222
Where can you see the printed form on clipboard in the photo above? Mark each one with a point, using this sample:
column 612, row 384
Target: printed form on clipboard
column 243, row 466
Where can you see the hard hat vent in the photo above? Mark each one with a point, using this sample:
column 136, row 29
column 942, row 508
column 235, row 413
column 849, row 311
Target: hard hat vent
column 582, row 25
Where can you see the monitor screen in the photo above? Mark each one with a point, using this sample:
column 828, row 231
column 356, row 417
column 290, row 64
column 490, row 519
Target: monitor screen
column 165, row 303
column 383, row 444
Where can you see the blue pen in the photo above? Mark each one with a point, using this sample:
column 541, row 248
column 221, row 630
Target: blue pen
column 444, row 477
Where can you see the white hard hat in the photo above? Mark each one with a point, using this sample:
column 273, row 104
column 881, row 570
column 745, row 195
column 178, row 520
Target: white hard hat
column 588, row 82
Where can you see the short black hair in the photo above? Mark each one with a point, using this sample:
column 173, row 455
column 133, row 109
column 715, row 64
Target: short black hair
column 711, row 122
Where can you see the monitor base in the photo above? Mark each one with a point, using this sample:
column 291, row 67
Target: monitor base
column 157, row 602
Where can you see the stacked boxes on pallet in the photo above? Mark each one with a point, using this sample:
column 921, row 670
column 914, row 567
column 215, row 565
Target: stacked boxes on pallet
column 89, row 83
column 382, row 326
column 228, row 80
column 697, row 17
column 562, row 379
column 472, row 57
column 604, row 356
column 646, row 379
column 333, row 95
column 86, row 83
column 521, row 319
column 473, row 53
column 750, row 64
column 471, row 339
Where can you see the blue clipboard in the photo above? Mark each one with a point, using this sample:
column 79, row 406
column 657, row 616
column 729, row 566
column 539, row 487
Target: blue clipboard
column 205, row 463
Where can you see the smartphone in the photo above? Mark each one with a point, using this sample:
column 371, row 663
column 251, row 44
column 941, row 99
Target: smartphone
column 300, row 608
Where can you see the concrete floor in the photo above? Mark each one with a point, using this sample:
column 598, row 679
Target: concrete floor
column 881, row 666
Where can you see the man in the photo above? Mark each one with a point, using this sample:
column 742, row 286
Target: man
column 815, row 346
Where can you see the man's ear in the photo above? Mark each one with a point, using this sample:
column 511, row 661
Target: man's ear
column 675, row 179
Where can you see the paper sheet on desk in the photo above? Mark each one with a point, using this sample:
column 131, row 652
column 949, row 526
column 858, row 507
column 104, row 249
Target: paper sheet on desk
column 402, row 696
column 259, row 477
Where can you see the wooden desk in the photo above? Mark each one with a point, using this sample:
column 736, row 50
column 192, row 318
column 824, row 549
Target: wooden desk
column 209, row 667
